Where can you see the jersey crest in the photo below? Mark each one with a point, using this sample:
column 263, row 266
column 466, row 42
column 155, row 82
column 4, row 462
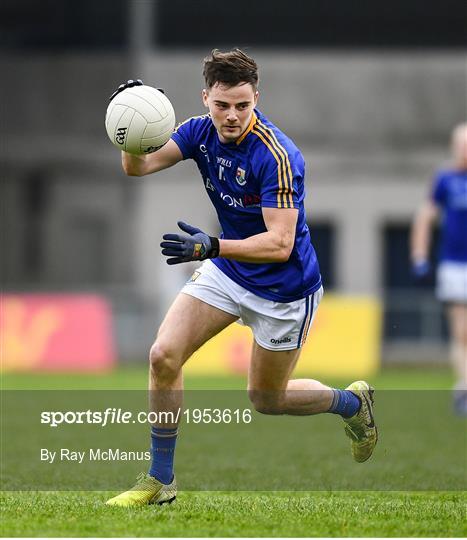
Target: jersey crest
column 240, row 176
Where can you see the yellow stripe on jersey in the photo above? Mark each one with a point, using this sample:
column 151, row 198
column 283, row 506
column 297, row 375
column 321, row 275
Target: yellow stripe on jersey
column 284, row 185
column 288, row 173
column 284, row 173
column 279, row 165
column 251, row 125
column 281, row 202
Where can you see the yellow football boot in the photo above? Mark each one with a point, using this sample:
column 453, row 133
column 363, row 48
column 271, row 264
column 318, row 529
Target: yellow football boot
column 361, row 428
column 147, row 490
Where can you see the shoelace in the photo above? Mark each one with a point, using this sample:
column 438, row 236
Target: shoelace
column 357, row 429
column 357, row 432
column 143, row 483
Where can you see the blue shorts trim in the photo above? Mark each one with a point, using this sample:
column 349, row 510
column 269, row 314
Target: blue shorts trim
column 307, row 319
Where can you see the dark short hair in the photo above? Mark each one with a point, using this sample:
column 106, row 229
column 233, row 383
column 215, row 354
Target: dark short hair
column 230, row 68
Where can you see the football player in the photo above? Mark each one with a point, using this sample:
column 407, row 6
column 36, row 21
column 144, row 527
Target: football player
column 262, row 270
column 448, row 198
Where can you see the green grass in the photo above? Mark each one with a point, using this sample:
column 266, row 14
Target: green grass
column 239, row 514
column 135, row 378
column 259, row 513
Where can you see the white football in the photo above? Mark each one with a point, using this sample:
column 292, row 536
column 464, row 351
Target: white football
column 140, row 120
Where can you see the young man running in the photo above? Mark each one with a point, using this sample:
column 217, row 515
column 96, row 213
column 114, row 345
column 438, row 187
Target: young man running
column 262, row 270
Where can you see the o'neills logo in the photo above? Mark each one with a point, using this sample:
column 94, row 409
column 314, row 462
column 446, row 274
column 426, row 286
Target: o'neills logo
column 279, row 341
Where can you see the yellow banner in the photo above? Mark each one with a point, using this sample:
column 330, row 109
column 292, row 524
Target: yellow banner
column 344, row 341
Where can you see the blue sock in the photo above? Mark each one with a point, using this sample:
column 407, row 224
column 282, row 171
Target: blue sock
column 163, row 450
column 345, row 403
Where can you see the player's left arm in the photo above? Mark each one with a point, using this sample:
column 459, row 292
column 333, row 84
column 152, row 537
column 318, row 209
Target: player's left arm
column 274, row 245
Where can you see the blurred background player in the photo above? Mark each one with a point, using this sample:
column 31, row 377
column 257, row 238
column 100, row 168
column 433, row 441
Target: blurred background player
column 448, row 197
column 263, row 270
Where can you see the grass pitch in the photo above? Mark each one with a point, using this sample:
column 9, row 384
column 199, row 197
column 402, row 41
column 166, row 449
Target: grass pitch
column 240, row 513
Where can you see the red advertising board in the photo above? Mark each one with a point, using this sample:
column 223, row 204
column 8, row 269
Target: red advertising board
column 56, row 332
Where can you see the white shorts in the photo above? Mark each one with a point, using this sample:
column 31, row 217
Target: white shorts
column 451, row 282
column 276, row 326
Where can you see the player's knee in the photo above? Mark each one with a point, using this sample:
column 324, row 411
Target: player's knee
column 163, row 361
column 266, row 402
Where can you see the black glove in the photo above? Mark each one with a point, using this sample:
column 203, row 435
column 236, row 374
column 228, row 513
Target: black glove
column 124, row 86
column 130, row 84
column 196, row 247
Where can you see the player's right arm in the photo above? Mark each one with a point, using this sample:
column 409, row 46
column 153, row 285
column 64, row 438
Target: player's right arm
column 165, row 157
column 420, row 235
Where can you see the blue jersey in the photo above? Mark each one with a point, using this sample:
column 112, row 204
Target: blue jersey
column 450, row 194
column 263, row 168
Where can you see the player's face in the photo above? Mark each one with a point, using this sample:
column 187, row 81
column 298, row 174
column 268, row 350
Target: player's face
column 231, row 108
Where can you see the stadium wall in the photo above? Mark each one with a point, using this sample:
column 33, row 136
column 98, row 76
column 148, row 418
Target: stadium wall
column 316, row 97
column 373, row 128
